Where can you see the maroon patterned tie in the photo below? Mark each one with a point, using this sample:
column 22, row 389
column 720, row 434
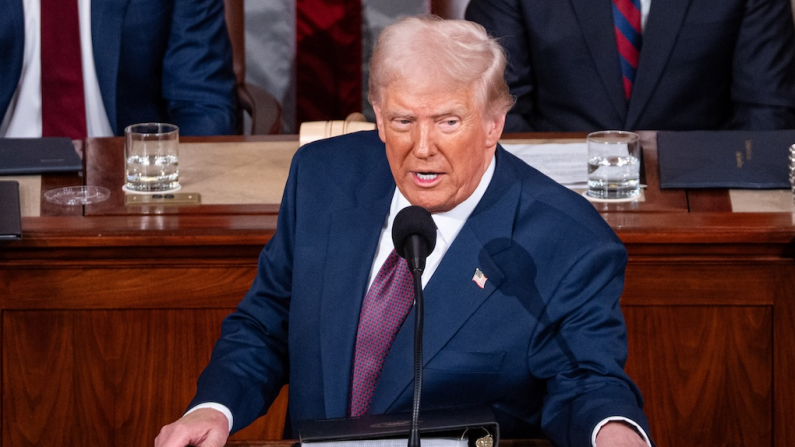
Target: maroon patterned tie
column 385, row 306
column 63, row 107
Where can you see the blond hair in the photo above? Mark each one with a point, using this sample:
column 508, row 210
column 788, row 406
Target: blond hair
column 457, row 52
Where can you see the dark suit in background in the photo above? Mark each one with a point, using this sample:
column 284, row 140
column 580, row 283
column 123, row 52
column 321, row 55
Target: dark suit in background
column 543, row 343
column 156, row 60
column 705, row 64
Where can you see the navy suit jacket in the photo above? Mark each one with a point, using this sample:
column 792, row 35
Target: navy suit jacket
column 705, row 64
column 156, row 61
column 543, row 343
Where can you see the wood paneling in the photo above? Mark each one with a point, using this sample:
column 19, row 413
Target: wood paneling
column 147, row 285
column 784, row 355
column 113, row 377
column 700, row 368
column 711, row 281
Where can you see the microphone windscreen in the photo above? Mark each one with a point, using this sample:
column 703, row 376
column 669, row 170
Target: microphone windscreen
column 413, row 220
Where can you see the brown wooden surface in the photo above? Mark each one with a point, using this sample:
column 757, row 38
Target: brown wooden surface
column 719, row 360
column 104, row 166
column 108, row 318
column 294, row 443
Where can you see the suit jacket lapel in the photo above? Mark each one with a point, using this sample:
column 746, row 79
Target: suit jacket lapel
column 12, row 36
column 107, row 18
column 451, row 296
column 596, row 21
column 349, row 257
column 662, row 29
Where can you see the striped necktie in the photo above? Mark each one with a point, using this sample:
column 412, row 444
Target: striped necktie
column 385, row 306
column 626, row 17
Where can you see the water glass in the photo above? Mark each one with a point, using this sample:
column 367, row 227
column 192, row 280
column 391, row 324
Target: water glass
column 613, row 165
column 151, row 157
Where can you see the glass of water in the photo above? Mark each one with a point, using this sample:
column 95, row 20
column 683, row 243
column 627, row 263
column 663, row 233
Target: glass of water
column 613, row 165
column 151, row 157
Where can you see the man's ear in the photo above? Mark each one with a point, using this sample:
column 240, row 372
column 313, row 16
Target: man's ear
column 379, row 122
column 494, row 127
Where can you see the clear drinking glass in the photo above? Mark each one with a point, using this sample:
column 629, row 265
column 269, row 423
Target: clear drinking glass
column 613, row 165
column 151, row 157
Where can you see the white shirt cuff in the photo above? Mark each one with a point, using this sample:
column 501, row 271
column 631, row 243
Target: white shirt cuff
column 222, row 409
column 622, row 419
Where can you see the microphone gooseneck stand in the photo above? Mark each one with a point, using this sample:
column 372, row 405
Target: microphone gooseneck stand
column 414, row 237
column 414, row 435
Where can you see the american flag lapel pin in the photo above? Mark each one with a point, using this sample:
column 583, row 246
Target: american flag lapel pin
column 479, row 278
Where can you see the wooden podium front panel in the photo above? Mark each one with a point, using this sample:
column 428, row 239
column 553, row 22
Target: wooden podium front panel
column 113, row 377
column 706, row 341
column 701, row 367
column 86, row 374
column 105, row 343
column 150, row 283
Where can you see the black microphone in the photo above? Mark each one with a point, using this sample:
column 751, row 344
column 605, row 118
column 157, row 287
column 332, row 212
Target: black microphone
column 414, row 236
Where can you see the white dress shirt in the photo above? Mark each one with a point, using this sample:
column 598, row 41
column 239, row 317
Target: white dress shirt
column 645, row 5
column 22, row 119
column 448, row 225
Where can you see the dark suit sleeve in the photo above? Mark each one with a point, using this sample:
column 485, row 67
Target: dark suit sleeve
column 249, row 364
column 198, row 79
column 581, row 352
column 763, row 88
column 503, row 20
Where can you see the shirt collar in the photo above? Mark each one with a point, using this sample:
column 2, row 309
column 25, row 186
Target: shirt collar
column 449, row 223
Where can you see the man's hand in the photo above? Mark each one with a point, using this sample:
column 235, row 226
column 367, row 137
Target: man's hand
column 204, row 427
column 618, row 434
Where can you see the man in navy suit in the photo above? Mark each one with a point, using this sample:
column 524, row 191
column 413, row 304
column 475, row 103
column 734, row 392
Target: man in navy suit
column 521, row 291
column 156, row 61
column 704, row 64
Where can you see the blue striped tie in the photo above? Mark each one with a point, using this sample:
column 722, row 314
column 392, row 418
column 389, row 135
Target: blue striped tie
column 626, row 16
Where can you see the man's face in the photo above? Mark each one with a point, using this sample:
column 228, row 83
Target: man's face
column 438, row 141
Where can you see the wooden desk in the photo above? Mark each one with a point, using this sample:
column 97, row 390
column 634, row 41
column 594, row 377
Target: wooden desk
column 293, row 443
column 109, row 313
